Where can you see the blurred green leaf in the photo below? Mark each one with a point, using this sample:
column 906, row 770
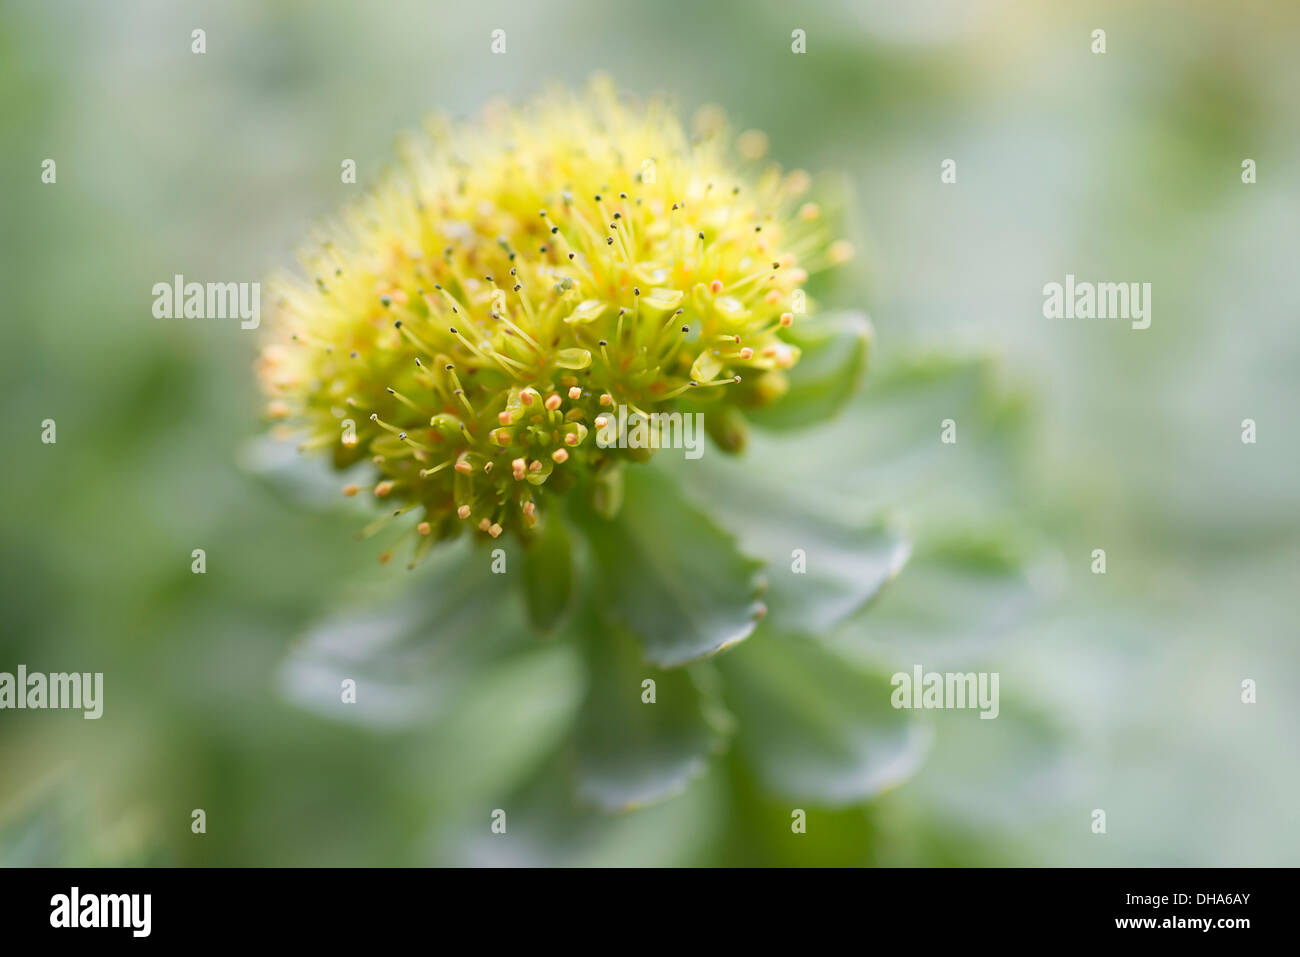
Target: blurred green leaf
column 761, row 831
column 820, row 568
column 670, row 575
column 546, row 826
column 833, row 356
column 991, row 583
column 503, row 725
column 813, row 726
column 409, row 641
column 843, row 566
column 633, row 751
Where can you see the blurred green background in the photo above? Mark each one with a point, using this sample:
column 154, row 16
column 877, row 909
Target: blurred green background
column 1119, row 692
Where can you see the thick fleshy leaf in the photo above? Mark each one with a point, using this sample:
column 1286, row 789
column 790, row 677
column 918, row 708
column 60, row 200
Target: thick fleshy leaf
column 823, row 572
column 545, row 826
column 670, row 575
column 991, row 583
column 761, row 834
column 409, row 642
column 821, row 568
column 548, row 573
column 833, row 356
column 643, row 733
column 504, row 725
column 886, row 451
column 815, row 727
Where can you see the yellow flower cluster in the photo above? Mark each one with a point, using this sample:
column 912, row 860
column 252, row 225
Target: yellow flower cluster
column 471, row 322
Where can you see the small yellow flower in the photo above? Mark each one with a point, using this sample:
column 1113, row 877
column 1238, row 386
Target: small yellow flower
column 466, row 323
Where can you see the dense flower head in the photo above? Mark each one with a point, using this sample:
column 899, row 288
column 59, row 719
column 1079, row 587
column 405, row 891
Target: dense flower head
column 472, row 322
